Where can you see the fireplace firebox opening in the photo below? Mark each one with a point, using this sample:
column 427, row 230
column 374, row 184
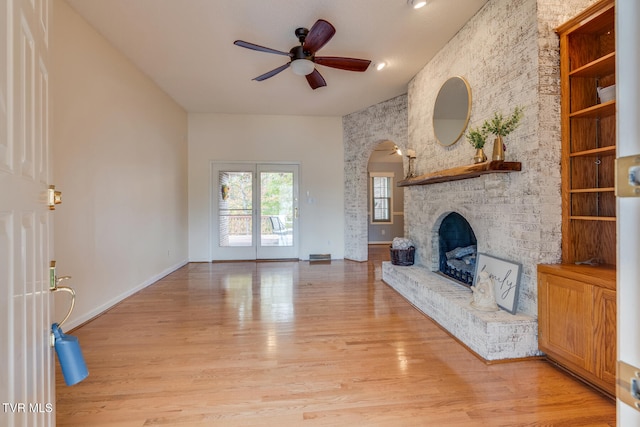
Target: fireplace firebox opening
column 457, row 249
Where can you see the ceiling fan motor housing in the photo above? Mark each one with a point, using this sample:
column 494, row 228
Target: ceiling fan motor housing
column 298, row 52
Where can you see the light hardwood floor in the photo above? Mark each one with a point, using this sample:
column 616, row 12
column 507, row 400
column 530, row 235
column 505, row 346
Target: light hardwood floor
column 297, row 344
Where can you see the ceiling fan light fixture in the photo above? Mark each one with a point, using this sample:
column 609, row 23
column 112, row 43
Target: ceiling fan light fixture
column 417, row 4
column 302, row 67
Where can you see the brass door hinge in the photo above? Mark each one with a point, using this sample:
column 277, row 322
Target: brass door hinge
column 628, row 385
column 628, row 176
column 53, row 197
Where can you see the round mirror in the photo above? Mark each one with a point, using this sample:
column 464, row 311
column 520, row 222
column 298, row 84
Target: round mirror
column 452, row 110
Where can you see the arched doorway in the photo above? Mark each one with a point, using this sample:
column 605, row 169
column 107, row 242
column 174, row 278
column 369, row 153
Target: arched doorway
column 363, row 130
column 385, row 200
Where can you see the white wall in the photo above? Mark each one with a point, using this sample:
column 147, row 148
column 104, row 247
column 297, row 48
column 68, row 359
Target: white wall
column 120, row 160
column 313, row 142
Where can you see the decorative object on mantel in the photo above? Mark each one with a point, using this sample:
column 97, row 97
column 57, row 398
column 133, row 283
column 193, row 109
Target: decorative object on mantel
column 501, row 127
column 506, row 279
column 462, row 172
column 402, row 251
column 484, row 298
column 477, row 137
column 411, row 155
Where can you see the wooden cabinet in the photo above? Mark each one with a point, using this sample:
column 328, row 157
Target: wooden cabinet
column 577, row 303
column 577, row 321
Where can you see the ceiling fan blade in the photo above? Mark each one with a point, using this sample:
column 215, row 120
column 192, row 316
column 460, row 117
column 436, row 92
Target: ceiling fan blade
column 273, row 72
column 315, row 80
column 349, row 64
column 318, row 36
column 259, row 48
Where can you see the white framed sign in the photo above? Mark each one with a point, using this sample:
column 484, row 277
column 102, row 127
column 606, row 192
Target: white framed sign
column 506, row 279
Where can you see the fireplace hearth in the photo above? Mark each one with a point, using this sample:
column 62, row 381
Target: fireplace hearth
column 491, row 335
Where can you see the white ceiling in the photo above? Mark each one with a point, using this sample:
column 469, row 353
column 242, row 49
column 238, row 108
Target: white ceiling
column 186, row 47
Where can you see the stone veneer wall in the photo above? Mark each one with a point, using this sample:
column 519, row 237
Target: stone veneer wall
column 363, row 131
column 509, row 54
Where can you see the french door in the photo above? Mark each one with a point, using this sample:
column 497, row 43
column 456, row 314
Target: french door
column 255, row 211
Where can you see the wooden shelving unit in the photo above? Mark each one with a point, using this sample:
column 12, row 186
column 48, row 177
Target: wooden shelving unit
column 577, row 303
column 587, row 60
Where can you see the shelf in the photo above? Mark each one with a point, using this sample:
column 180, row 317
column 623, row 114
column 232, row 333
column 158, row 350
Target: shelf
column 601, row 275
column 594, row 218
column 599, row 110
column 462, row 172
column 598, row 68
column 597, row 19
column 602, row 151
column 594, row 190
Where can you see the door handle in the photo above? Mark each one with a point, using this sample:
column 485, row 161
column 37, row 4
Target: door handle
column 295, row 213
column 73, row 301
column 54, row 280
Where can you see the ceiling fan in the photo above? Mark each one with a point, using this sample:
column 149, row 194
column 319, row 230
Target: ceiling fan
column 303, row 58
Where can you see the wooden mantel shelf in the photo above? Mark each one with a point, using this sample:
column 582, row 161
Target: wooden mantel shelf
column 462, row 172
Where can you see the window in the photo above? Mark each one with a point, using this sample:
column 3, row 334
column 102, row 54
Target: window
column 381, row 197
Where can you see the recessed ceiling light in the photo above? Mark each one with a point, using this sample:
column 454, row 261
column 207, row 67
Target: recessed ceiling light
column 417, row 4
column 380, row 65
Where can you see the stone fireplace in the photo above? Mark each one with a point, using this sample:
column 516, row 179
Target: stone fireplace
column 446, row 243
column 514, row 216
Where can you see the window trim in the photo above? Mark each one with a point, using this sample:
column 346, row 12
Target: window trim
column 391, row 177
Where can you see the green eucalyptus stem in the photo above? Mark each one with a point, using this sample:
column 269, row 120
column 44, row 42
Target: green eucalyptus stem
column 477, row 137
column 500, row 126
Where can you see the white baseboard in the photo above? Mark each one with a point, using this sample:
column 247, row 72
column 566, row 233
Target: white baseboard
column 74, row 323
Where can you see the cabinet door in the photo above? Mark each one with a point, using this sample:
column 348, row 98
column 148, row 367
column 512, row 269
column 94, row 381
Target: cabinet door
column 565, row 321
column 604, row 317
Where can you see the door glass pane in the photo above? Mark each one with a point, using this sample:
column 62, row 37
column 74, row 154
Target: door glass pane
column 235, row 208
column 276, row 208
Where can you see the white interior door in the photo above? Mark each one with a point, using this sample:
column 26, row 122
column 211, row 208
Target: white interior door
column 628, row 133
column 254, row 213
column 27, row 375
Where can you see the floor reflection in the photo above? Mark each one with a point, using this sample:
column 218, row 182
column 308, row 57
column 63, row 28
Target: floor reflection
column 276, row 295
column 239, row 295
column 272, row 290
